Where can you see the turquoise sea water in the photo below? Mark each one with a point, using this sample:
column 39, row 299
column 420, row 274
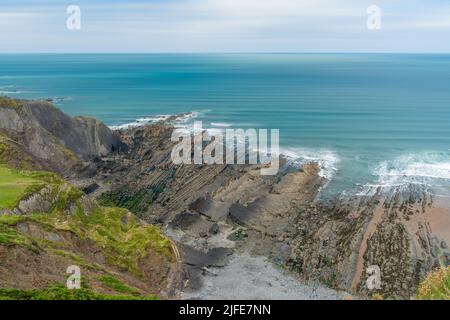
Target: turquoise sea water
column 370, row 119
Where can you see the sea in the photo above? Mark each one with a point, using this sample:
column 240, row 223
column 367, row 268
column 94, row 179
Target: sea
column 370, row 120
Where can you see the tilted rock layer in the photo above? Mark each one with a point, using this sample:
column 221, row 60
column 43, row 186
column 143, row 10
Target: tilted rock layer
column 215, row 211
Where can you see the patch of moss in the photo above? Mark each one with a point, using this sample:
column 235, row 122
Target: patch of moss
column 11, row 220
column 78, row 260
column 10, row 237
column 436, row 286
column 5, row 151
column 66, row 197
column 13, row 156
column 136, row 202
column 123, row 237
column 59, row 292
column 117, row 285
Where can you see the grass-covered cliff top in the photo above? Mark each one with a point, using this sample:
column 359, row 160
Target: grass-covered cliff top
column 105, row 241
column 7, row 102
column 14, row 186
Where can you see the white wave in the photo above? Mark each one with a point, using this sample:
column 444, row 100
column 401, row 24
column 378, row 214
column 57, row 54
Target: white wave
column 328, row 160
column 141, row 122
column 178, row 121
column 220, row 124
column 6, row 90
column 419, row 167
column 187, row 117
column 427, row 170
column 61, row 99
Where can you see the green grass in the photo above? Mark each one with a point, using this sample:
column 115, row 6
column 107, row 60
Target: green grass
column 12, row 155
column 78, row 260
column 123, row 239
column 136, row 202
column 436, row 286
column 10, row 237
column 14, row 185
column 18, row 184
column 10, row 103
column 59, row 292
column 117, row 285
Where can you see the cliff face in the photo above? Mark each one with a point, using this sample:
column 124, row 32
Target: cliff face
column 214, row 212
column 52, row 137
column 50, row 225
column 47, row 224
column 217, row 211
column 86, row 137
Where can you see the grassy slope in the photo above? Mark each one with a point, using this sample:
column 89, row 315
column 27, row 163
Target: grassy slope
column 14, row 186
column 123, row 239
column 59, row 292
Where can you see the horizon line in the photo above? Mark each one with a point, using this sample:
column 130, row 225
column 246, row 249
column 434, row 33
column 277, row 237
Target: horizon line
column 231, row 52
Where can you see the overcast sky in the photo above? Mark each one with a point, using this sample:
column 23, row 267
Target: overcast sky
column 225, row 26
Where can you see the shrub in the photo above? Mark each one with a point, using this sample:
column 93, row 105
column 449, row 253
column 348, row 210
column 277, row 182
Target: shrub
column 436, row 286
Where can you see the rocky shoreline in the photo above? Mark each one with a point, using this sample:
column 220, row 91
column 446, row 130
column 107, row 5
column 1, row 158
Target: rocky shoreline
column 224, row 216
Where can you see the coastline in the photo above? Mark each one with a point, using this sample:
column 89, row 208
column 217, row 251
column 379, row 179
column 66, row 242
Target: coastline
column 216, row 214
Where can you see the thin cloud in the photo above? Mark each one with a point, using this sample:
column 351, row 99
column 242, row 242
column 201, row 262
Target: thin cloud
column 225, row 25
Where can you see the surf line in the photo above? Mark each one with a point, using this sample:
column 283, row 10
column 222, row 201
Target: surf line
column 235, row 145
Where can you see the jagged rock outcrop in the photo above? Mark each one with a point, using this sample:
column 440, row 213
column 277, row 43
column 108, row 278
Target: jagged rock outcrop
column 224, row 206
column 52, row 137
column 215, row 211
column 392, row 230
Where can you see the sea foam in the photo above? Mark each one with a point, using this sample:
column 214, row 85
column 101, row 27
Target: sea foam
column 178, row 121
column 427, row 170
column 328, row 160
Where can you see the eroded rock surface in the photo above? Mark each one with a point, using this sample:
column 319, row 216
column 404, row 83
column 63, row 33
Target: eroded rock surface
column 207, row 208
column 217, row 212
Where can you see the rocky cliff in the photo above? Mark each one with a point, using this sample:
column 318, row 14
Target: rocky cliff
column 217, row 212
column 51, row 137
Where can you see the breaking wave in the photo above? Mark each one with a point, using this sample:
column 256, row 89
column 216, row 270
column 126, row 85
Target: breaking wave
column 328, row 160
column 179, row 121
column 430, row 170
column 221, row 124
column 8, row 90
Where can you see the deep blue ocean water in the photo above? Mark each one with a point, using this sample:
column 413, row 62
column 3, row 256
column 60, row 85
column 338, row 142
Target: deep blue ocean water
column 369, row 119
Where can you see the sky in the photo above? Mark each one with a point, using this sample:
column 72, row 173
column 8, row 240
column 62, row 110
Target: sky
column 206, row 26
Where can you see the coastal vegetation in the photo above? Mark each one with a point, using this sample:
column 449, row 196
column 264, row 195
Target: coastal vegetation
column 48, row 224
column 14, row 185
column 70, row 218
column 59, row 292
column 10, row 103
column 436, row 286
